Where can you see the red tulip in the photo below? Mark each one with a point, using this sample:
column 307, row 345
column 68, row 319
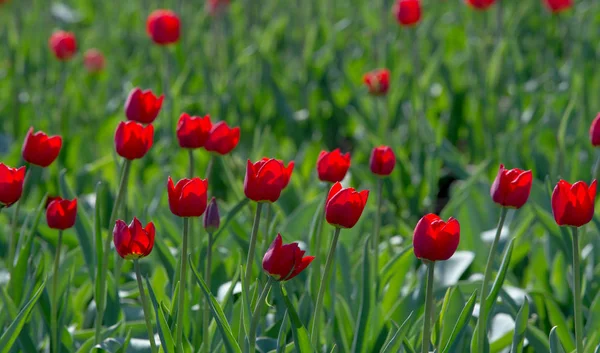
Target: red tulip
column 285, row 261
column 480, row 4
column 595, row 131
column 222, row 139
column 133, row 140
column 434, row 239
column 63, row 45
column 61, row 214
column 163, row 26
column 188, row 197
column 212, row 220
column 11, row 184
column 344, row 206
column 93, row 60
column 193, row 131
column 408, row 12
column 40, row 149
column 573, row 205
column 266, row 179
column 511, row 187
column 333, row 166
column 134, row 241
column 557, row 6
column 49, row 200
column 143, row 106
column 382, row 160
column 378, row 81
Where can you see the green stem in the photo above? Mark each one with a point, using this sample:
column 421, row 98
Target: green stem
column 191, row 158
column 54, row 305
column 257, row 314
column 138, row 275
column 207, row 275
column 486, row 278
column 316, row 265
column 209, row 167
column 182, row 277
column 265, row 241
column 101, row 301
column 314, row 331
column 252, row 247
column 375, row 240
column 577, row 293
column 12, row 242
column 428, row 307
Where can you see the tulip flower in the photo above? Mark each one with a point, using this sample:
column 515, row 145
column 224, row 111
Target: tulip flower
column 556, row 6
column 266, row 179
column 163, row 27
column 222, row 138
column 511, row 187
column 573, row 205
column 211, row 217
column 133, row 140
column 11, row 184
column 408, row 12
column 383, row 161
column 93, row 60
column 595, row 131
column 378, row 81
column 40, row 149
column 143, row 106
column 63, row 45
column 193, row 131
column 333, row 166
column 480, row 4
column 133, row 241
column 285, row 261
column 188, row 197
column 345, row 206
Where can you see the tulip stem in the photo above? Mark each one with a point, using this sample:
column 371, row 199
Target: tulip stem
column 209, row 167
column 191, row 157
column 207, row 275
column 12, row 242
column 375, row 240
column 182, row 277
column 314, row 331
column 54, row 305
column 577, row 293
column 482, row 330
column 252, row 247
column 316, row 267
column 256, row 315
column 145, row 307
column 428, row 306
column 101, row 300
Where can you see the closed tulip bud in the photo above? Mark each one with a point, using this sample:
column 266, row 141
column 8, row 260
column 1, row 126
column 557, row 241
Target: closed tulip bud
column 333, row 166
column 345, row 206
column 134, row 241
column 573, row 205
column 163, row 27
column 556, row 6
column 266, row 179
column 382, row 161
column 408, row 12
column 378, row 81
column 11, row 184
column 480, row 4
column 434, row 239
column 63, row 45
column 188, row 197
column 61, row 214
column 511, row 187
column 133, row 140
column 93, row 60
column 193, row 131
column 285, row 261
column 222, row 138
column 595, row 131
column 40, row 149
column 211, row 217
column 143, row 106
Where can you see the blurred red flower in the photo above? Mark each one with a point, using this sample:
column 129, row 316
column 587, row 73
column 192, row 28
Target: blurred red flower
column 345, row 206
column 163, row 26
column 193, row 131
column 333, row 166
column 93, row 60
column 557, row 6
column 188, row 198
column 434, row 239
column 61, row 214
column 377, row 81
column 41, row 149
column 480, row 4
column 511, row 187
column 63, row 45
column 134, row 241
column 133, row 140
column 266, row 179
column 595, row 131
column 573, row 205
column 285, row 261
column 407, row 12
column 222, row 139
column 143, row 106
column 11, row 184
column 383, row 160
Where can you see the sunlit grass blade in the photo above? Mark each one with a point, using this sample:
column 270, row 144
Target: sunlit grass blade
column 398, row 337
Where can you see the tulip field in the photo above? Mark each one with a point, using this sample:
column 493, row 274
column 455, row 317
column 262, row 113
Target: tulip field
column 299, row 176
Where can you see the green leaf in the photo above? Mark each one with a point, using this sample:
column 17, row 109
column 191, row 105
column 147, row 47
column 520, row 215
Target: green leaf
column 490, row 300
column 230, row 343
column 555, row 346
column 110, row 345
column 9, row 336
column 164, row 332
column 397, row 337
column 461, row 324
column 299, row 332
column 558, row 320
column 365, row 301
column 520, row 327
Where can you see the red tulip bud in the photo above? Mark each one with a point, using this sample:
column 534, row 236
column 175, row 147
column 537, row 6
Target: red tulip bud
column 511, row 187
column 11, row 184
column 573, row 205
column 41, row 149
column 61, row 214
column 211, row 217
column 434, row 239
column 345, row 206
column 163, row 27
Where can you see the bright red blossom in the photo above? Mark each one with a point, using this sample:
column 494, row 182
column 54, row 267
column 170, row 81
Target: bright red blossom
column 61, row 214
column 133, row 140
column 511, row 187
column 480, row 4
column 188, row 198
column 143, row 106
column 434, row 239
column 378, row 81
column 408, row 12
column 93, row 60
column 193, row 131
column 163, row 26
column 265, row 179
column 63, row 45
column 134, row 241
column 595, row 131
column 222, row 139
column 41, row 149
column 573, row 205
column 285, row 261
column 383, row 160
column 557, row 6
column 344, row 206
column 11, row 184
column 333, row 166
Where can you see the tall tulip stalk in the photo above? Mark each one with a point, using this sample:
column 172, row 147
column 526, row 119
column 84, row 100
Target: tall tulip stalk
column 212, row 221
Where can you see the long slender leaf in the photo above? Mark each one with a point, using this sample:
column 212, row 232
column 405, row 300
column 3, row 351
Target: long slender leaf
column 299, row 332
column 520, row 327
column 398, row 336
column 555, row 346
column 461, row 324
column 164, row 332
column 365, row 301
